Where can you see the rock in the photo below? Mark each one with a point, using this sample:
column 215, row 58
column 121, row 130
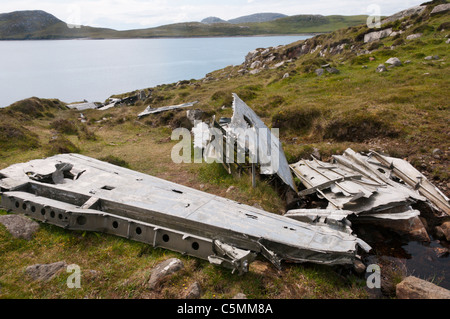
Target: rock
column 286, row 75
column 194, row 115
column 441, row 251
column 45, row 272
column 255, row 71
column 415, row 288
column 359, row 267
column 393, row 34
column 332, row 70
column 417, row 230
column 413, row 36
column 230, row 189
column 394, row 61
column 443, row 231
column 448, row 41
column 319, row 72
column 381, row 68
column 251, row 55
column 377, row 35
column 255, row 65
column 194, row 291
column 412, row 228
column 436, row 153
column 182, row 82
column 432, row 57
column 316, row 153
column 404, row 13
column 240, row 296
column 279, row 64
column 19, row 226
column 441, row 8
column 164, row 270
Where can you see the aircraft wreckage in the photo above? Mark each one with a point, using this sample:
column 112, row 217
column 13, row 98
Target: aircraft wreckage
column 76, row 192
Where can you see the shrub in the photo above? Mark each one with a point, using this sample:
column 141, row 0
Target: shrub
column 358, row 126
column 299, row 119
column 17, row 137
column 64, row 126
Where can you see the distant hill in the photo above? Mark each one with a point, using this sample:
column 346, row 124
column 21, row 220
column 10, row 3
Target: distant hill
column 258, row 17
column 253, row 18
column 25, row 22
column 40, row 25
column 211, row 20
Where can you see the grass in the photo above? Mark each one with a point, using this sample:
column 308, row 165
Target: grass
column 113, row 267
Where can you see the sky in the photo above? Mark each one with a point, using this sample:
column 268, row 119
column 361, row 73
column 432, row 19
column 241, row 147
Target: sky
column 137, row 14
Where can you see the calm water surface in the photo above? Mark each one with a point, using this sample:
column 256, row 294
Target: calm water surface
column 74, row 70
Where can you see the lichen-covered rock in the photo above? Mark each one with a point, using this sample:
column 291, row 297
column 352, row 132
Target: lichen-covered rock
column 194, row 291
column 45, row 272
column 163, row 270
column 443, row 231
column 415, row 288
column 19, row 226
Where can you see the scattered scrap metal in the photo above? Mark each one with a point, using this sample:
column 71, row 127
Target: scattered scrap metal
column 369, row 187
column 111, row 102
column 149, row 110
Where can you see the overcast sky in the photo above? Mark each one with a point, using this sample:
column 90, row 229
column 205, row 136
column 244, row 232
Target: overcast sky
column 134, row 14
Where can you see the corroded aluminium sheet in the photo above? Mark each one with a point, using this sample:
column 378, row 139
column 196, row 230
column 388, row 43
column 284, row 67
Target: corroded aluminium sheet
column 416, row 180
column 117, row 192
column 359, row 184
column 270, row 155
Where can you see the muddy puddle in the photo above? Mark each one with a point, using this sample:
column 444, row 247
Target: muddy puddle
column 399, row 257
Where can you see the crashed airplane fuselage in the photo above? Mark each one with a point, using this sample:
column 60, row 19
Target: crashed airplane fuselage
column 81, row 193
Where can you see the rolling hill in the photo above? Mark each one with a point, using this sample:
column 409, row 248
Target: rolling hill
column 40, row 25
